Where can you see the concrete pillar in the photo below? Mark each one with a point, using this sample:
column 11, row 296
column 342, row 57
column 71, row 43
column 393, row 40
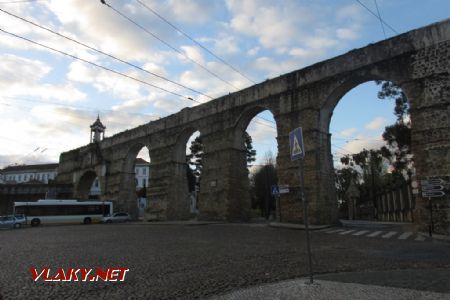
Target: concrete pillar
column 224, row 184
column 167, row 189
column 318, row 170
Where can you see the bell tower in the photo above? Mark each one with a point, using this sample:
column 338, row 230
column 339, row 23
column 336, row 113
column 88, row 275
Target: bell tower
column 97, row 131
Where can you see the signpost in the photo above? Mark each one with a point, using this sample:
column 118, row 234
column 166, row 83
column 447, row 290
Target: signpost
column 432, row 188
column 297, row 150
column 277, row 190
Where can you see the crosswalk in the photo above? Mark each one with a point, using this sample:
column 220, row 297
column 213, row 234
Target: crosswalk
column 407, row 235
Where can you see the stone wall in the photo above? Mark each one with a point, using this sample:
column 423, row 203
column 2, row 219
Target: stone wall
column 418, row 61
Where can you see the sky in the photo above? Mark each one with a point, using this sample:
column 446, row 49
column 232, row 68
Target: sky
column 48, row 99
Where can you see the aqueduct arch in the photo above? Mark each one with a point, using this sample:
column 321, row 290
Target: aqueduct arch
column 418, row 61
column 84, row 184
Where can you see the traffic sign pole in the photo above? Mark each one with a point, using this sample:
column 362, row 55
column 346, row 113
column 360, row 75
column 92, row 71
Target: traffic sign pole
column 297, row 149
column 305, row 220
column 430, row 229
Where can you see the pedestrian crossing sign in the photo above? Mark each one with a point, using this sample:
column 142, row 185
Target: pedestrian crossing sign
column 296, row 146
column 275, row 190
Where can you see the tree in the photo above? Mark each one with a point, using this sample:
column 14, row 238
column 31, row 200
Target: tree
column 343, row 178
column 249, row 151
column 368, row 168
column 391, row 91
column 398, row 135
column 262, row 181
column 194, row 159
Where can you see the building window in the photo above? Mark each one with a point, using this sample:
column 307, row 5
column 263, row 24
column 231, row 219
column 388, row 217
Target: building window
column 96, row 183
column 143, row 182
column 144, row 171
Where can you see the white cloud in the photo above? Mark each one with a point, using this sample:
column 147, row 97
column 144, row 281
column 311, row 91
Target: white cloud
column 348, row 132
column 193, row 53
column 356, row 146
column 253, row 51
column 376, row 123
column 347, row 33
column 190, row 11
column 24, row 77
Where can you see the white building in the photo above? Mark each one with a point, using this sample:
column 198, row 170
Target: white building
column 44, row 172
column 29, row 173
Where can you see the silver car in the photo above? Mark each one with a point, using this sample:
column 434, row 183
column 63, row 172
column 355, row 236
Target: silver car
column 116, row 218
column 12, row 221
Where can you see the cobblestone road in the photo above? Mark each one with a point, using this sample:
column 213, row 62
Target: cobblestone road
column 174, row 261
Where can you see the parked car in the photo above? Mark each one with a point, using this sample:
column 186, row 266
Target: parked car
column 116, row 218
column 12, row 221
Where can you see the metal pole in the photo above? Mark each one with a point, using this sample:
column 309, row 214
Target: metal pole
column 279, row 208
column 431, row 217
column 305, row 220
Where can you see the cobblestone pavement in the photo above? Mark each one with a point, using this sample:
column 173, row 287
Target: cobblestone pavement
column 176, row 261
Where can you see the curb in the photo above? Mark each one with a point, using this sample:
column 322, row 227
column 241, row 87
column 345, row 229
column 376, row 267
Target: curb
column 439, row 237
column 298, row 226
column 184, row 223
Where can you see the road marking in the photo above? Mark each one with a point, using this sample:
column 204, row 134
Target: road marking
column 405, row 235
column 420, row 238
column 361, row 232
column 374, row 233
column 326, row 229
column 334, row 231
column 347, row 232
column 389, row 234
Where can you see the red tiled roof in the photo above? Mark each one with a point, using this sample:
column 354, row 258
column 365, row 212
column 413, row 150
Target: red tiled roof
column 140, row 161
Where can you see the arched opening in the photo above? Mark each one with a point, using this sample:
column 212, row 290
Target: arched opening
column 193, row 165
column 142, row 174
column 84, row 189
column 256, row 137
column 370, row 130
column 138, row 173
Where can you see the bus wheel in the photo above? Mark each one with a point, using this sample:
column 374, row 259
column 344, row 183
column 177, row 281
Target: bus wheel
column 35, row 222
column 87, row 221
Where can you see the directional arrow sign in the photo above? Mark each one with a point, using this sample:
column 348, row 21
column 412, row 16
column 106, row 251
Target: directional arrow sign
column 432, row 181
column 432, row 194
column 296, row 146
column 283, row 189
column 432, row 187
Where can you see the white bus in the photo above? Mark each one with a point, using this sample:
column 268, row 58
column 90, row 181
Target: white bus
column 62, row 211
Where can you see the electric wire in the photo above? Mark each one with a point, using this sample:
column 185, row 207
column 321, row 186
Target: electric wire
column 167, row 44
column 20, row 1
column 379, row 16
column 116, row 58
column 97, row 65
column 376, row 16
column 79, row 107
column 104, row 53
column 194, row 41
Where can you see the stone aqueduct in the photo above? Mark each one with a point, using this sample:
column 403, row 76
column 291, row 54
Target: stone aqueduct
column 418, row 61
